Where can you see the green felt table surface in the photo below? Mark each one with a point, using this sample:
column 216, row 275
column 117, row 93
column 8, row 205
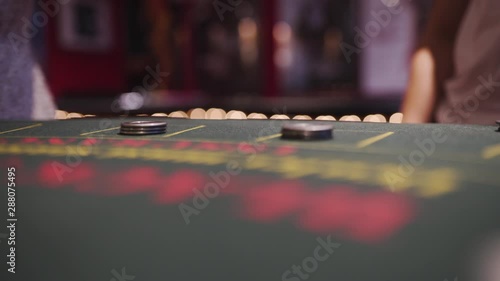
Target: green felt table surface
column 231, row 200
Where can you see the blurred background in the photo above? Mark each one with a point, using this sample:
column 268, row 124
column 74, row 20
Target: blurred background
column 275, row 56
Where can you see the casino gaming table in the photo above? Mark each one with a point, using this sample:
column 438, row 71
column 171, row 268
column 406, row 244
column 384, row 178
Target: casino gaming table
column 231, row 200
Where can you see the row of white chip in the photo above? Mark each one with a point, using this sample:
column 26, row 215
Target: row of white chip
column 220, row 114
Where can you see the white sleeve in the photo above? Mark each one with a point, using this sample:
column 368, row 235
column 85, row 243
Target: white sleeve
column 43, row 104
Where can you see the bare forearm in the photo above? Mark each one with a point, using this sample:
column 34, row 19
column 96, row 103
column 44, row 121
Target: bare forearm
column 421, row 94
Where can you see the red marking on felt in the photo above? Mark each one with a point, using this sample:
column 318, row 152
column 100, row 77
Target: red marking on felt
column 273, row 201
column 285, row 150
column 82, row 172
column 133, row 180
column 89, row 142
column 261, row 147
column 379, row 215
column 329, row 210
column 228, row 147
column 56, row 141
column 179, row 186
column 368, row 217
column 181, row 145
column 56, row 174
column 247, row 148
column 31, row 140
column 210, row 146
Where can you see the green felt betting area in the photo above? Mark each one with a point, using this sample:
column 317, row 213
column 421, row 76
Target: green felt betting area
column 231, row 200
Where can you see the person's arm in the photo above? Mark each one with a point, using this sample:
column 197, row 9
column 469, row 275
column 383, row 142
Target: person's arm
column 432, row 63
column 160, row 18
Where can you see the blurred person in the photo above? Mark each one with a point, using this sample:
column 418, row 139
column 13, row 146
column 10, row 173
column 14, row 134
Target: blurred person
column 160, row 18
column 23, row 91
column 455, row 74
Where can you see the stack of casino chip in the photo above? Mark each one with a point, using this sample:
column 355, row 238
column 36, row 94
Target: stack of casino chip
column 143, row 128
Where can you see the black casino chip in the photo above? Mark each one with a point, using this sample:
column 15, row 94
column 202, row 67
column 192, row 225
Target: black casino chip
column 306, row 131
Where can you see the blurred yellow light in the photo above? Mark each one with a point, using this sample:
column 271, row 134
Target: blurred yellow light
column 247, row 28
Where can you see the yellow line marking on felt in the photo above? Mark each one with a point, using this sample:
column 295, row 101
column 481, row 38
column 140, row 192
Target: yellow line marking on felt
column 23, row 128
column 268, row 138
column 385, row 174
column 329, row 148
column 184, row 131
column 100, row 131
column 491, row 152
column 355, row 131
column 373, row 140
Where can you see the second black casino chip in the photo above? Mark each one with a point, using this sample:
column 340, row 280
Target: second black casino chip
column 306, row 131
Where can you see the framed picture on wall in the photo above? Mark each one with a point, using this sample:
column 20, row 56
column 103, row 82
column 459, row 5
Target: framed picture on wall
column 86, row 25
